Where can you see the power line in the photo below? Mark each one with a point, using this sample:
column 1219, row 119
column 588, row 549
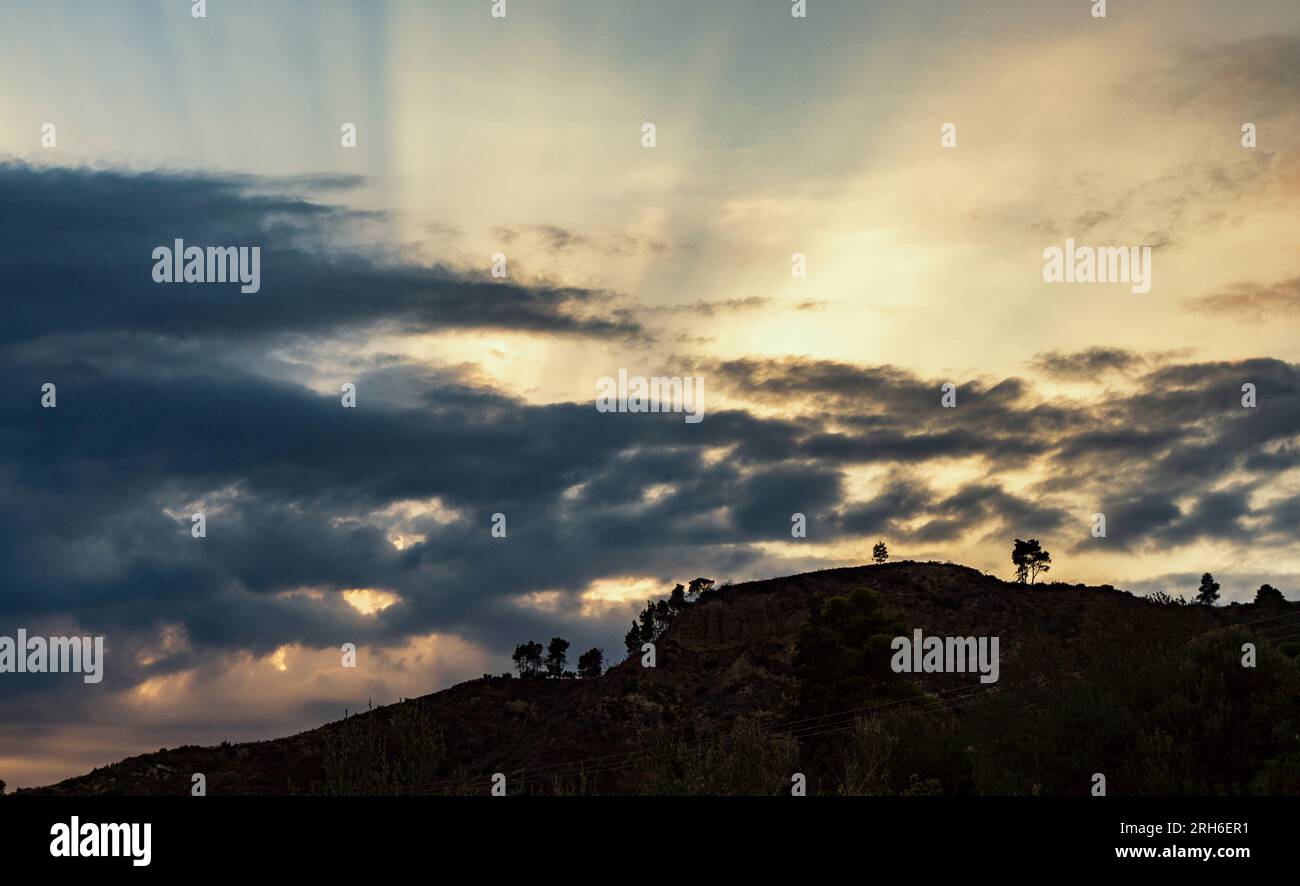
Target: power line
column 925, row 703
column 837, row 721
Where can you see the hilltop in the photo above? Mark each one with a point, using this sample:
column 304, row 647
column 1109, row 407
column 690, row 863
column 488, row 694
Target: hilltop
column 1089, row 671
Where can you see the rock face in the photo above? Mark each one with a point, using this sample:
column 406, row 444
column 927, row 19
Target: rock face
column 728, row 655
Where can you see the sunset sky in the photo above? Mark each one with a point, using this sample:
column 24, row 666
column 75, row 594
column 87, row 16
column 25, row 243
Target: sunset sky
column 523, row 136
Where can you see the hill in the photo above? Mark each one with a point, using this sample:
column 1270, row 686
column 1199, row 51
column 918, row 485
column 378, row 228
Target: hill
column 1093, row 679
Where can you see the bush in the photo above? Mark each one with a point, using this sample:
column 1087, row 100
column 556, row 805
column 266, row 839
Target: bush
column 905, row 752
column 386, row 752
column 745, row 760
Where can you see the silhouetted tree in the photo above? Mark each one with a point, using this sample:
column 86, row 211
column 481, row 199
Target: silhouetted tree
column 1209, row 590
column 557, row 656
column 648, row 632
column 528, row 659
column 697, row 587
column 1030, row 560
column 2, row 788
column 1268, row 594
column 842, row 657
column 592, row 662
column 677, row 599
column 658, row 614
column 632, row 639
column 879, row 553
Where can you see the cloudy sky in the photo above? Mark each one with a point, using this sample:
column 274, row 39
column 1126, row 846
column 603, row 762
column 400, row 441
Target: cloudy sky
column 523, row 136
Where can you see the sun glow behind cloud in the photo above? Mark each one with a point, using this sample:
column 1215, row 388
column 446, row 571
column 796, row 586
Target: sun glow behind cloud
column 369, row 601
column 772, row 141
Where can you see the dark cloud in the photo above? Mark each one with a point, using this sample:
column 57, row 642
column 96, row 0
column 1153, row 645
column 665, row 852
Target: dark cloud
column 1176, row 431
column 766, row 501
column 1089, row 364
column 79, row 247
column 169, row 400
column 887, row 513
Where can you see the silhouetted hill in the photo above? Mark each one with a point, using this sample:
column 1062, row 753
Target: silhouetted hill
column 1092, row 680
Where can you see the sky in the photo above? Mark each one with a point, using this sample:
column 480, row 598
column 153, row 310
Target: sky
column 522, row 136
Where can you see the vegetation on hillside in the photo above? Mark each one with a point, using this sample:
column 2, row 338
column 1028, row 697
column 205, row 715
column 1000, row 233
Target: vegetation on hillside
column 786, row 685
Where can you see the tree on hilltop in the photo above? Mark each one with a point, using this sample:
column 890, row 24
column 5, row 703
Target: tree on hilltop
column 557, row 657
column 1268, row 594
column 1209, row 590
column 591, row 663
column 1030, row 560
column 528, row 659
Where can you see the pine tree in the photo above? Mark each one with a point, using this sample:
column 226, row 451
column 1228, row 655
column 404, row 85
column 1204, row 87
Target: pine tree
column 677, row 599
column 1030, row 560
column 557, row 657
column 1268, row 594
column 528, row 659
column 591, row 663
column 1209, row 591
column 842, row 656
column 697, row 587
column 648, row 631
column 880, row 553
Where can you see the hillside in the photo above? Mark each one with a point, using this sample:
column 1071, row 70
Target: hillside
column 725, row 683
